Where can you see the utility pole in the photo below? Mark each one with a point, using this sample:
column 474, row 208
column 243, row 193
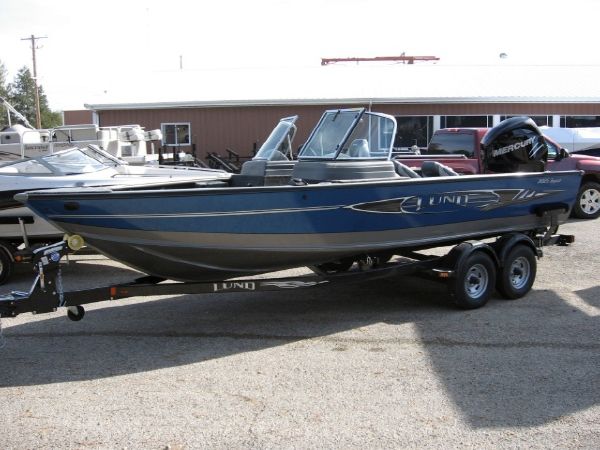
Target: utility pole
column 38, row 117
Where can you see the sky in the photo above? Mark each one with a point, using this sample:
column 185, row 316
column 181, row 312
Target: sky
column 90, row 46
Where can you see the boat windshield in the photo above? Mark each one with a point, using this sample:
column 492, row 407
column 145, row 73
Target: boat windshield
column 278, row 145
column 72, row 161
column 351, row 134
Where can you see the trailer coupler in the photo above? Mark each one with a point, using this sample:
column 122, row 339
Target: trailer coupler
column 46, row 293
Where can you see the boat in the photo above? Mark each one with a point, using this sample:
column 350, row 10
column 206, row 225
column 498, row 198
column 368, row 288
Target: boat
column 131, row 143
column 584, row 141
column 127, row 142
column 21, row 229
column 344, row 198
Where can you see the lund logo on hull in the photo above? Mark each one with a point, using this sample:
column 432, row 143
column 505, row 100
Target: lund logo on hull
column 448, row 202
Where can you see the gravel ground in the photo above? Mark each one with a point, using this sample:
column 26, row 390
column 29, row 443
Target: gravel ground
column 386, row 364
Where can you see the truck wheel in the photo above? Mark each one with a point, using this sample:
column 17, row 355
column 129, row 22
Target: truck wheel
column 474, row 281
column 587, row 205
column 6, row 265
column 518, row 272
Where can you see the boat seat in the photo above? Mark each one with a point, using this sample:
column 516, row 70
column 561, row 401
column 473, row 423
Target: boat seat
column 404, row 171
column 359, row 149
column 435, row 169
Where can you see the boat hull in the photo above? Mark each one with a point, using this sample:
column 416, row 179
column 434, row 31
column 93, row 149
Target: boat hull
column 216, row 233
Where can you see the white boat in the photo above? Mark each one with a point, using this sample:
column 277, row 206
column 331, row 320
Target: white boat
column 129, row 142
column 576, row 140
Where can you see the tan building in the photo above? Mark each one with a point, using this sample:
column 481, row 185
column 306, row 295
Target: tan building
column 237, row 109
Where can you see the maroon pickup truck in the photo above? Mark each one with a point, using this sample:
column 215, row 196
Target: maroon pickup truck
column 459, row 149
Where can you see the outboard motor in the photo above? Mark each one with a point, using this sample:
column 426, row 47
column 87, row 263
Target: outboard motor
column 514, row 145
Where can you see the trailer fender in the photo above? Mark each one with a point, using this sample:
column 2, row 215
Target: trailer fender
column 459, row 254
column 507, row 242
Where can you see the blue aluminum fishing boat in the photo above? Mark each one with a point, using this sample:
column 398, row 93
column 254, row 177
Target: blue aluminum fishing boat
column 342, row 199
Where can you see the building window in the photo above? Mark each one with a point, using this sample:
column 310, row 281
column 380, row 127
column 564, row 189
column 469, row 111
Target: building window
column 413, row 131
column 466, row 121
column 175, row 134
column 579, row 121
column 540, row 121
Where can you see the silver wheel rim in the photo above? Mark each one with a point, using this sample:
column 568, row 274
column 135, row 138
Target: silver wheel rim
column 476, row 281
column 520, row 271
column 590, row 201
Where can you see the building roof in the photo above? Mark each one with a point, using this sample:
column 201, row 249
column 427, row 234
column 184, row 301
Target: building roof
column 352, row 84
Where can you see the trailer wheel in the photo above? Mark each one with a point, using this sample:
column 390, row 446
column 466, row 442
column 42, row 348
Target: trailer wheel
column 587, row 205
column 474, row 281
column 75, row 313
column 6, row 264
column 518, row 272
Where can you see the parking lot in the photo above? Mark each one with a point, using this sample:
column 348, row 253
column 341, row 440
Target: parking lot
column 385, row 364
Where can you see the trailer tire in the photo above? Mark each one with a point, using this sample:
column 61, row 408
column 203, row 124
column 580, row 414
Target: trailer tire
column 518, row 271
column 474, row 282
column 6, row 264
column 587, row 204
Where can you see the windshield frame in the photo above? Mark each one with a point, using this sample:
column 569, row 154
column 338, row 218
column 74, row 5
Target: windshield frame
column 270, row 149
column 359, row 113
column 97, row 161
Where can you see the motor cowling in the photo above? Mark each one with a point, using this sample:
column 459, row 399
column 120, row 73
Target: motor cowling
column 514, row 145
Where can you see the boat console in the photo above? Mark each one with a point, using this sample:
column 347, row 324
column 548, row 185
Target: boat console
column 319, row 171
column 348, row 145
column 273, row 163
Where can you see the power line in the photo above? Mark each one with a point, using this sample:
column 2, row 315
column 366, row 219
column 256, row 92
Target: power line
column 38, row 117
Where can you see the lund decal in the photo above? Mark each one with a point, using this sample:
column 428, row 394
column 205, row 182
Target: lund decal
column 448, row 202
column 234, row 286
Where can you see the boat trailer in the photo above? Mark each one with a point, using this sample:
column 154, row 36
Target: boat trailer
column 472, row 269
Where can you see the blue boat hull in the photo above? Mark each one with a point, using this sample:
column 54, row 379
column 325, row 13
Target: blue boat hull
column 216, row 233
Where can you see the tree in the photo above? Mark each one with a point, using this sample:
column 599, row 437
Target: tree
column 3, row 94
column 50, row 119
column 22, row 97
column 22, row 94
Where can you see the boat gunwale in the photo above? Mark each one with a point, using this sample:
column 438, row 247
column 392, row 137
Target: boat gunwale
column 125, row 191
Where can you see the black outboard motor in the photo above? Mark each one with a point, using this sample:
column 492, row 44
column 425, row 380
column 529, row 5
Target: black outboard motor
column 514, row 145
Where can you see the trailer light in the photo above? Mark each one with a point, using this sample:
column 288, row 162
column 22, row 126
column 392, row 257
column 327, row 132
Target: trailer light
column 75, row 242
column 442, row 273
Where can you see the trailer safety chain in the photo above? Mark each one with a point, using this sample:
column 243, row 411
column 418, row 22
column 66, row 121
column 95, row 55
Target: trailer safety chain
column 59, row 288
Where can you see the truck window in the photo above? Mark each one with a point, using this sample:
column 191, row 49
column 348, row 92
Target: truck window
column 451, row 144
column 552, row 150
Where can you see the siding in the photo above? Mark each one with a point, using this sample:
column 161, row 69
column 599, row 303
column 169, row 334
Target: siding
column 78, row 117
column 214, row 129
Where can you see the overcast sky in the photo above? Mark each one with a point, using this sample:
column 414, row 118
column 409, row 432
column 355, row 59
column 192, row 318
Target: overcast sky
column 90, row 45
